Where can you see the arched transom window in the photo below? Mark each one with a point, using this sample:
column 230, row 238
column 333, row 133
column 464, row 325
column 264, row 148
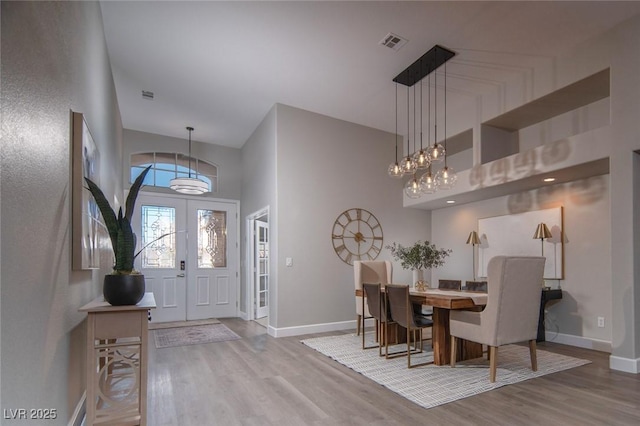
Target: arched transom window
column 166, row 166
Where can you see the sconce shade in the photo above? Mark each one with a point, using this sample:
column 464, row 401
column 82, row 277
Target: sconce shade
column 473, row 238
column 542, row 232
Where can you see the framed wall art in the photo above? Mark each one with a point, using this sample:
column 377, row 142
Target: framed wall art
column 85, row 213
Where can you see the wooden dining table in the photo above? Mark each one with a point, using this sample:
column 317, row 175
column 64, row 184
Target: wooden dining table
column 443, row 301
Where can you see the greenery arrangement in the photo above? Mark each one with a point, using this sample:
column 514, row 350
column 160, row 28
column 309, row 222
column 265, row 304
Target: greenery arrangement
column 419, row 256
column 123, row 240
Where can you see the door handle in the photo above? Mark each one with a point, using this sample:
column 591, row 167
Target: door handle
column 180, row 275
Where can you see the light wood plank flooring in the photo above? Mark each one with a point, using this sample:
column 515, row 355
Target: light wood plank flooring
column 259, row 380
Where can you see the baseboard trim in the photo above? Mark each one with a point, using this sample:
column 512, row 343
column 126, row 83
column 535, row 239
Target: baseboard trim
column 77, row 418
column 578, row 341
column 627, row 365
column 315, row 328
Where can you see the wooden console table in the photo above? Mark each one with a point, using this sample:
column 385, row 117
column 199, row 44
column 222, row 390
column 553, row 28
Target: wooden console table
column 117, row 339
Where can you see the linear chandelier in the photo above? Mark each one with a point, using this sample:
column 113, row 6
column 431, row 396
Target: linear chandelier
column 189, row 185
column 424, row 158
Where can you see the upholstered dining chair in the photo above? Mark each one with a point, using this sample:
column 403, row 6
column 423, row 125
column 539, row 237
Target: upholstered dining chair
column 511, row 313
column 476, row 285
column 450, row 284
column 402, row 313
column 379, row 309
column 369, row 271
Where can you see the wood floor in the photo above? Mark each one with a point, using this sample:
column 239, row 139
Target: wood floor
column 260, row 380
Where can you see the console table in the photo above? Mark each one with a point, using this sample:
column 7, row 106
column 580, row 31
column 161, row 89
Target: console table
column 547, row 294
column 117, row 339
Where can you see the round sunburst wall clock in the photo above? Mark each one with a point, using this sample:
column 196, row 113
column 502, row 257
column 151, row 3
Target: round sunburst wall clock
column 357, row 235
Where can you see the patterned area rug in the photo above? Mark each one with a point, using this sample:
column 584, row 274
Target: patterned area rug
column 430, row 386
column 194, row 335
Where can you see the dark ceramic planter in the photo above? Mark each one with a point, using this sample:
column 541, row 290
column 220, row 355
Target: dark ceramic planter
column 122, row 290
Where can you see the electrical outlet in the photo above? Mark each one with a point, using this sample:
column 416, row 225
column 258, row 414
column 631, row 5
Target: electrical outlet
column 601, row 322
column 288, row 261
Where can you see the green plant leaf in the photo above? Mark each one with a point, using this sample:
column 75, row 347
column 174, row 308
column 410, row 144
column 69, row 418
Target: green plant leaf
column 133, row 193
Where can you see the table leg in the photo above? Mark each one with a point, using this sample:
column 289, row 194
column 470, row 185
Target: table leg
column 441, row 336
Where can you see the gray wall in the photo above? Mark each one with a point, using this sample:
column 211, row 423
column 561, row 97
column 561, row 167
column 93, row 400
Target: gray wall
column 586, row 228
column 54, row 60
column 227, row 159
column 259, row 190
column 324, row 167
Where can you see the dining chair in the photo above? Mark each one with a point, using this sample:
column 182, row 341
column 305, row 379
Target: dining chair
column 379, row 309
column 511, row 312
column 450, row 284
column 402, row 313
column 476, row 285
column 368, row 271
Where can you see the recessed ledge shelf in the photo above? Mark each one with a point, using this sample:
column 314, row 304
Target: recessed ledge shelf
column 577, row 157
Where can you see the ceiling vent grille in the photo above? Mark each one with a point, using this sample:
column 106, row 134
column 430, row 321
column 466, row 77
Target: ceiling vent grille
column 146, row 94
column 393, row 41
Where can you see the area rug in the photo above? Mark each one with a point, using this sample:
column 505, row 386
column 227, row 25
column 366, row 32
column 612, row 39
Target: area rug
column 430, row 386
column 174, row 324
column 193, row 335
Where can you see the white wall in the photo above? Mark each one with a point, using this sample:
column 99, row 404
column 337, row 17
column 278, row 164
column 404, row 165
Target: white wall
column 54, row 61
column 324, row 167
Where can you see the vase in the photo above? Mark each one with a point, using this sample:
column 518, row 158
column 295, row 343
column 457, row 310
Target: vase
column 418, row 276
column 120, row 290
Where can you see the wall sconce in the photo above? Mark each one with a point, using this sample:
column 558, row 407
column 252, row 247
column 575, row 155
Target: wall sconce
column 473, row 240
column 542, row 232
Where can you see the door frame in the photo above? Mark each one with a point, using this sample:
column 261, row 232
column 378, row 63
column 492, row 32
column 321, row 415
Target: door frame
column 250, row 239
column 220, row 200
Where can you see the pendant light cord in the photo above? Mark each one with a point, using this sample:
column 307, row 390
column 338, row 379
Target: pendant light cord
column 190, row 129
column 445, row 115
column 396, row 123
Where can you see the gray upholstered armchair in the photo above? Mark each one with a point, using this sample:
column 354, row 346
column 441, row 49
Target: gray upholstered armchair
column 369, row 271
column 511, row 313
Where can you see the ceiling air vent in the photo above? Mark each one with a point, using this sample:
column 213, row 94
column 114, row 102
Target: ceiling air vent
column 146, row 94
column 393, row 41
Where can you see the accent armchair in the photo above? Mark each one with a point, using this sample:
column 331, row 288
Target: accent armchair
column 511, row 313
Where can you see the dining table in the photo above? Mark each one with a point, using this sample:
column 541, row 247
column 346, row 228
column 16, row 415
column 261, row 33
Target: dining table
column 443, row 301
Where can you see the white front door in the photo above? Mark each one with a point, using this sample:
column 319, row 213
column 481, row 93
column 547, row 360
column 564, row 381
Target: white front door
column 192, row 268
column 261, row 280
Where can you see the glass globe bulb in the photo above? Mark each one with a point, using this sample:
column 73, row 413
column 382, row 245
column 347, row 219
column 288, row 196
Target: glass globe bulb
column 408, row 166
column 428, row 184
column 446, row 178
column 421, row 158
column 394, row 170
column 412, row 188
column 436, row 152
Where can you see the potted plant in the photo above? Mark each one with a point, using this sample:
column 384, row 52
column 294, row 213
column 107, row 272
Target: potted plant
column 418, row 257
column 125, row 285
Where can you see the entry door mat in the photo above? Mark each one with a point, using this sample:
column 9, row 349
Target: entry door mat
column 431, row 385
column 193, row 335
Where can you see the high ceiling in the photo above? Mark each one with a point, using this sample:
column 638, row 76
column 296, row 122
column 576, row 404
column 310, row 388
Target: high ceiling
column 220, row 66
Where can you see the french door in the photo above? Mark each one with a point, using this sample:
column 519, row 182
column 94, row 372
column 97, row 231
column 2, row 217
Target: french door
column 261, row 269
column 189, row 256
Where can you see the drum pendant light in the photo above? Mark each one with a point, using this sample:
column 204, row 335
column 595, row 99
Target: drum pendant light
column 189, row 185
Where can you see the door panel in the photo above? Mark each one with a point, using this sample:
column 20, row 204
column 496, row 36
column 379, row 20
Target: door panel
column 261, row 263
column 212, row 285
column 160, row 227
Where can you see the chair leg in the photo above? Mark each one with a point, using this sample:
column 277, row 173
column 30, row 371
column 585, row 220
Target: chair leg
column 453, row 351
column 493, row 353
column 358, row 320
column 532, row 353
